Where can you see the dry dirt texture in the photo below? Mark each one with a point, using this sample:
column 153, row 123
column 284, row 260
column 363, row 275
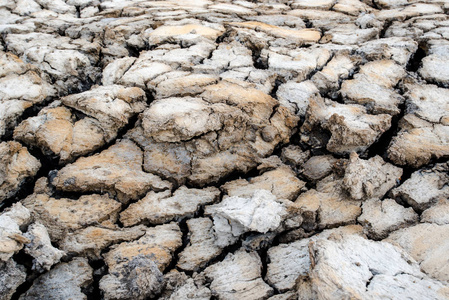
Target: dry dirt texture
column 202, row 149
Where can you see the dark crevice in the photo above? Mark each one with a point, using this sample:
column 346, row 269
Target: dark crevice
column 308, row 23
column 253, row 172
column 225, row 252
column 27, row 261
column 265, row 261
column 93, row 291
column 258, row 61
column 133, row 51
column 387, row 25
column 380, row 147
column 416, row 59
column 185, row 241
column 78, row 11
column 277, row 83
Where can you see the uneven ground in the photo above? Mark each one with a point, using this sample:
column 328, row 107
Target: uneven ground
column 291, row 149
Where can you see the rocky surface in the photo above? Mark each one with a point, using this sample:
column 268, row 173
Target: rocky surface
column 224, row 149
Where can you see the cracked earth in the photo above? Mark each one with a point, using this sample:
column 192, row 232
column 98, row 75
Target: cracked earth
column 285, row 149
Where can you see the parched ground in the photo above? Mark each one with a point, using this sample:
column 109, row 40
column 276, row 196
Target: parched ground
column 284, row 149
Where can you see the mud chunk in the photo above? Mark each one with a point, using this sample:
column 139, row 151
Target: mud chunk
column 12, row 276
column 379, row 218
column 184, row 85
column 427, row 244
column 11, row 236
column 237, row 215
column 418, row 142
column 179, row 286
column 281, row 182
column 203, row 139
column 63, row 215
column 21, row 86
column 40, row 247
column 340, row 67
column 294, row 155
column 117, row 170
column 158, row 208
column 16, row 166
column 438, row 213
column 424, row 188
column 428, row 102
column 64, row 281
column 70, row 63
column 115, row 70
column 318, row 167
column 435, row 66
column 105, row 109
column 227, row 56
column 188, row 34
column 298, row 37
column 238, row 276
column 399, row 49
column 377, row 81
column 142, row 261
column 352, row 266
column 202, row 246
column 296, row 96
column 351, row 128
column 288, row 262
column 371, row 178
column 327, row 206
column 349, row 34
column 298, row 64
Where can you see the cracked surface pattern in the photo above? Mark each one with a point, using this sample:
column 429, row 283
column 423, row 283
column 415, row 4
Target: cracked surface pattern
column 224, row 149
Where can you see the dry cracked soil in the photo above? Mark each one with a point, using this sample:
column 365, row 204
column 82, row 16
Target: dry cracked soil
column 202, row 149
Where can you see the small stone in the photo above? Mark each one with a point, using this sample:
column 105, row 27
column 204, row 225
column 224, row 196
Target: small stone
column 92, row 240
column 318, row 167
